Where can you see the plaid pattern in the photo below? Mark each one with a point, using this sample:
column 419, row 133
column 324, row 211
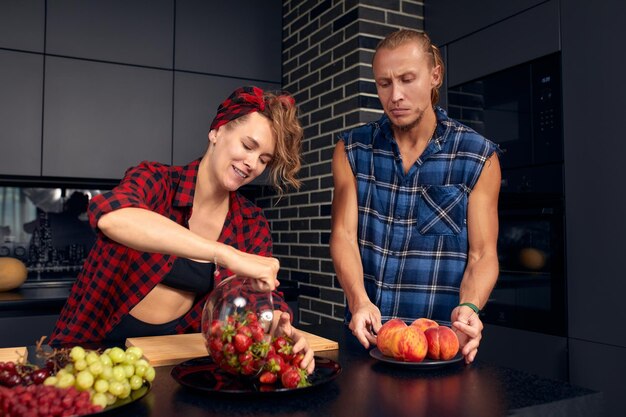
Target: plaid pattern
column 115, row 278
column 245, row 100
column 242, row 101
column 412, row 227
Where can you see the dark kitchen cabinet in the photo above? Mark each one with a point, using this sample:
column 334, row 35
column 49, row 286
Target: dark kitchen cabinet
column 138, row 32
column 196, row 99
column 449, row 20
column 108, row 75
column 21, row 86
column 22, row 24
column 594, row 101
column 101, row 118
column 240, row 39
column 504, row 44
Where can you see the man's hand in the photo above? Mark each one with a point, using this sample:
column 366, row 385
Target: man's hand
column 365, row 324
column 468, row 328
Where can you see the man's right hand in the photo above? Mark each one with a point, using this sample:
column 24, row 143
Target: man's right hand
column 365, row 323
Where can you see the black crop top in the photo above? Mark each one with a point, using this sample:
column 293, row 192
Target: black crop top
column 192, row 276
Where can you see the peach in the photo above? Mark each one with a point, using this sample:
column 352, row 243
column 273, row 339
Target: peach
column 412, row 345
column 386, row 340
column 423, row 323
column 443, row 343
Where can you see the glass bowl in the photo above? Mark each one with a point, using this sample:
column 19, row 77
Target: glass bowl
column 236, row 324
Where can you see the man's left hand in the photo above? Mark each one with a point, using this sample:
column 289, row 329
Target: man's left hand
column 468, row 328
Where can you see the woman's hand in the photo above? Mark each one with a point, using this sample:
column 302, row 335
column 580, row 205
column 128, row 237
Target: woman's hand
column 468, row 328
column 282, row 327
column 263, row 269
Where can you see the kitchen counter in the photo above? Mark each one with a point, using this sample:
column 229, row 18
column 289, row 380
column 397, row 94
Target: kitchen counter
column 368, row 388
column 39, row 297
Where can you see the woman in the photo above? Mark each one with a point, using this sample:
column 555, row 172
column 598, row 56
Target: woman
column 165, row 231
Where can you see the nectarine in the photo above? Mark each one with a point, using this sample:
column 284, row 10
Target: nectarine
column 423, row 323
column 412, row 345
column 385, row 339
column 442, row 343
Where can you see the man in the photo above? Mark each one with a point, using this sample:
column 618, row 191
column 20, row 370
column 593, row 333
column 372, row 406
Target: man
column 414, row 217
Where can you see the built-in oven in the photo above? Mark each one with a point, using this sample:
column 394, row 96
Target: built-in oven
column 520, row 108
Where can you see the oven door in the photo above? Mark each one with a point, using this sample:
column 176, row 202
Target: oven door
column 530, row 293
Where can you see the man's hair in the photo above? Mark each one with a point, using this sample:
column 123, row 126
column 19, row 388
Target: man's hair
column 403, row 36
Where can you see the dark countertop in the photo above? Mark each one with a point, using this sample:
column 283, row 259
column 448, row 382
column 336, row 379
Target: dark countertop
column 43, row 297
column 368, row 388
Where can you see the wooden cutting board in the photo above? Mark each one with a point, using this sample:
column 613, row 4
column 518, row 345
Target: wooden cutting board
column 12, row 354
column 171, row 350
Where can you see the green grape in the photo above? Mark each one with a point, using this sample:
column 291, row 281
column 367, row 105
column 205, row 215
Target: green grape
column 135, row 382
column 126, row 391
column 99, row 398
column 84, row 380
column 107, row 372
column 101, row 385
column 80, row 364
column 119, row 374
column 92, row 357
column 51, row 380
column 110, row 398
column 116, row 388
column 129, row 370
column 117, row 355
column 142, row 362
column 69, row 368
column 150, row 374
column 129, row 358
column 96, row 368
column 77, row 353
column 136, row 351
column 140, row 370
column 66, row 380
column 106, row 360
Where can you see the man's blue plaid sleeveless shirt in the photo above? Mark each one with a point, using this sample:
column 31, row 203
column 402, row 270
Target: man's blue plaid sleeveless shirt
column 412, row 229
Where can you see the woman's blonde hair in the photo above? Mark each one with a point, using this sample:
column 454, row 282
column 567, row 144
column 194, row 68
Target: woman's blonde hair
column 403, row 36
column 281, row 111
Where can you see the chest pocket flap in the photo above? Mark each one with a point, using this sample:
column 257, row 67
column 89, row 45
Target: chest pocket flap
column 441, row 210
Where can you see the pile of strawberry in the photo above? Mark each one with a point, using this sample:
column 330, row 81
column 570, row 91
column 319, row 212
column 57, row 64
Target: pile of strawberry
column 240, row 346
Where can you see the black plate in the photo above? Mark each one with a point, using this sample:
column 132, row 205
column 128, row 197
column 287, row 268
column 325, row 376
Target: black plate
column 425, row 364
column 204, row 375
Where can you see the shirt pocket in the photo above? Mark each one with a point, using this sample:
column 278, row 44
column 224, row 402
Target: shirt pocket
column 441, row 210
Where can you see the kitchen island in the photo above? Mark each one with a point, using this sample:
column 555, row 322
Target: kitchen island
column 368, row 388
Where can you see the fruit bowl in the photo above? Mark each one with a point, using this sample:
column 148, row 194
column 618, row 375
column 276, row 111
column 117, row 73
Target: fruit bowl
column 236, row 321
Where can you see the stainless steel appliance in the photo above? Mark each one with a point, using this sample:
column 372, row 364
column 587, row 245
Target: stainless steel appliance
column 520, row 108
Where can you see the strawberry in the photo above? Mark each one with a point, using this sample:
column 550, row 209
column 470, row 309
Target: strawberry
column 250, row 317
column 243, row 329
column 216, row 328
column 294, row 377
column 256, row 330
column 268, row 377
column 242, row 342
column 297, row 359
column 275, row 363
column 284, row 347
